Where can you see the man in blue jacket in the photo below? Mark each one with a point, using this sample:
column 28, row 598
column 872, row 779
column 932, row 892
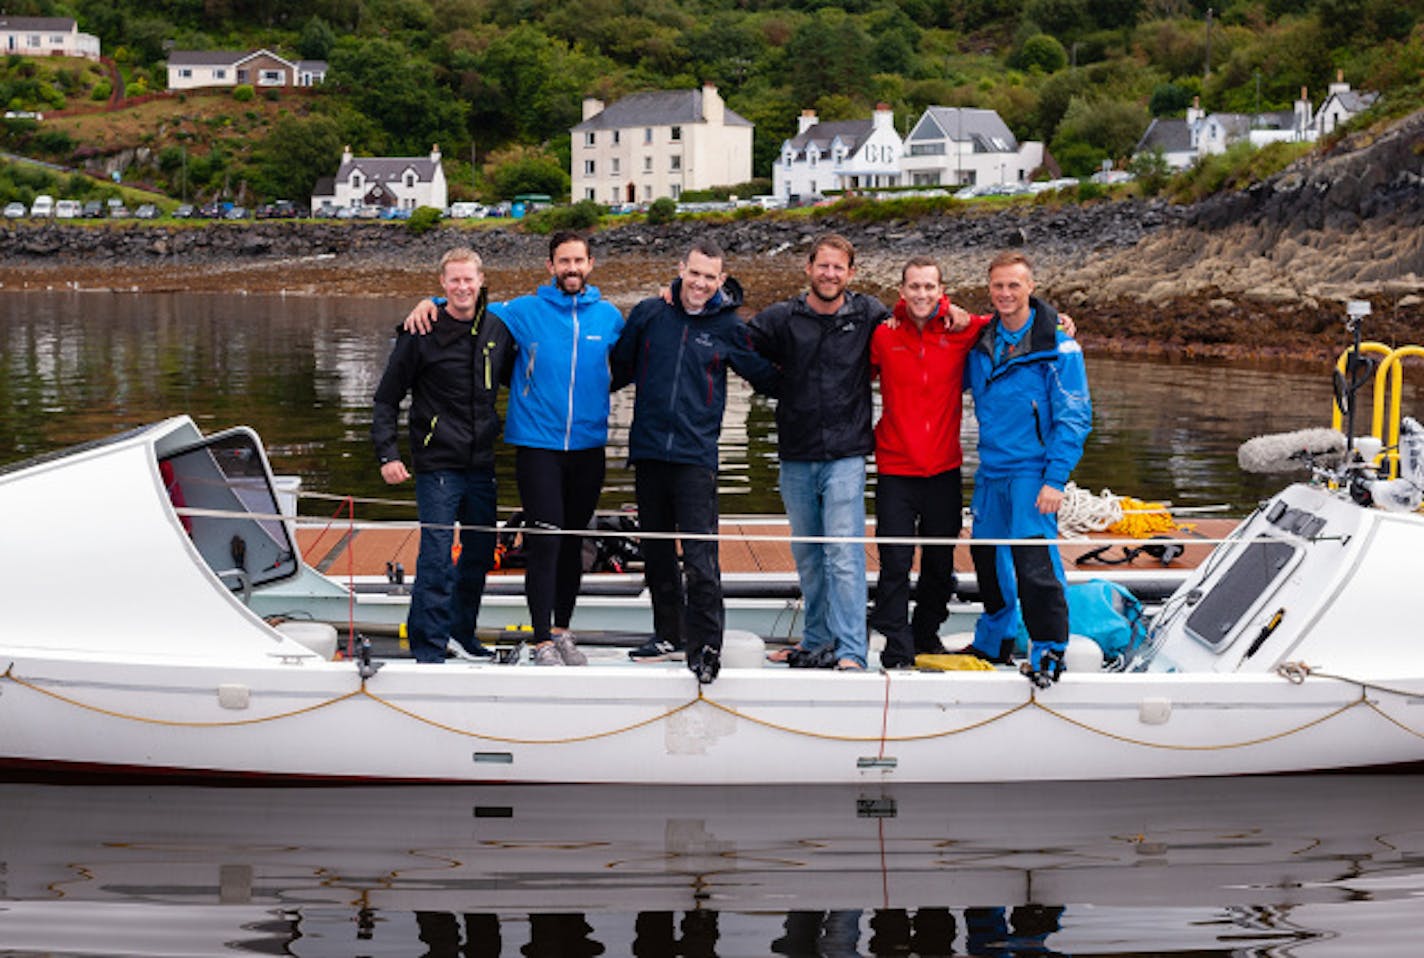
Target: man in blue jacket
column 677, row 351
column 1031, row 398
column 454, row 377
column 558, row 424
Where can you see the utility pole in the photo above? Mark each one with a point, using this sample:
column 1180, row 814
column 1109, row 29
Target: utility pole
column 1207, row 72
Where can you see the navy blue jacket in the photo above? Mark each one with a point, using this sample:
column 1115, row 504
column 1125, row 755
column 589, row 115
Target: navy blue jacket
column 679, row 364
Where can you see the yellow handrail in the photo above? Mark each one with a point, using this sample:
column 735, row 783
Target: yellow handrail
column 1393, row 367
column 1337, row 418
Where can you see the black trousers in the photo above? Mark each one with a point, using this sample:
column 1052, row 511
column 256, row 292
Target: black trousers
column 557, row 490
column 687, row 601
column 928, row 506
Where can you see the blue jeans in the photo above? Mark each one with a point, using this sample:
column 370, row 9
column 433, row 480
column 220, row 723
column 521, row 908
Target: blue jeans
column 828, row 499
column 446, row 599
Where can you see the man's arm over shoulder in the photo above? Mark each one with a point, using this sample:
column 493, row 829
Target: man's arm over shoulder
column 767, row 328
column 742, row 356
column 623, row 359
column 1072, row 412
column 385, row 407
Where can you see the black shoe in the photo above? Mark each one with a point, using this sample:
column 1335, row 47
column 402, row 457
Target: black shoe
column 706, row 664
column 656, row 650
column 823, row 657
column 1002, row 659
column 889, row 664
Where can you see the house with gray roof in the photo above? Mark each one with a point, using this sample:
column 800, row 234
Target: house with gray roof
column 195, row 69
column 838, row 155
column 402, row 182
column 1341, row 104
column 661, row 143
column 46, row 37
column 1173, row 137
column 960, row 146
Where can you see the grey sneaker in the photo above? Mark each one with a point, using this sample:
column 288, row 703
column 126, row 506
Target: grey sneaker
column 564, row 642
column 546, row 654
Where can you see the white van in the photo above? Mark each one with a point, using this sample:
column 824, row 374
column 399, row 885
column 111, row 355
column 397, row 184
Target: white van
column 43, row 206
column 68, row 209
column 463, row 211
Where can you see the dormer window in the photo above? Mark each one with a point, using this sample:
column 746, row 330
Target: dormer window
column 410, row 181
column 356, row 181
column 676, row 133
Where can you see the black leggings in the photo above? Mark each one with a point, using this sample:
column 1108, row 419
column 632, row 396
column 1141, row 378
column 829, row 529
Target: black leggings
column 557, row 490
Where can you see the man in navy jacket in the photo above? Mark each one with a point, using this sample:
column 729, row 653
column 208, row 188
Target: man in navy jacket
column 677, row 351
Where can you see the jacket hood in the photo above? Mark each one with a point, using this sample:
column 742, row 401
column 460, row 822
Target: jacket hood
column 552, row 294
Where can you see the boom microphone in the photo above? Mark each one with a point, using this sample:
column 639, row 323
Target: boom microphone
column 1288, row 451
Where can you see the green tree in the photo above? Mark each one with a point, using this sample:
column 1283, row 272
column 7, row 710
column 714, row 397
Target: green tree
column 316, row 40
column 525, row 170
column 1169, row 99
column 532, row 85
column 1110, row 127
column 398, row 91
column 297, row 152
column 1042, row 53
column 829, row 53
column 1151, row 171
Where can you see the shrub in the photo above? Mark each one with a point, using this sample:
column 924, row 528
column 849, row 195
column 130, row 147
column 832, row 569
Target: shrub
column 580, row 216
column 243, row 93
column 423, row 219
column 102, row 91
column 663, row 210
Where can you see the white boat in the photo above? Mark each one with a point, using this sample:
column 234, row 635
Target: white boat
column 129, row 646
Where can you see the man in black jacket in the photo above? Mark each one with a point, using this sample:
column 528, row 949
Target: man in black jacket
column 677, row 351
column 821, row 342
column 454, row 376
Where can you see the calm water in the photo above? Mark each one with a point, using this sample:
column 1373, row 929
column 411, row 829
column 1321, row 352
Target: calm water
column 1307, row 867
column 1328, row 866
column 74, row 366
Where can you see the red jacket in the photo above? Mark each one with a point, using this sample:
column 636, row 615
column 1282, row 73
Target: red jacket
column 921, row 392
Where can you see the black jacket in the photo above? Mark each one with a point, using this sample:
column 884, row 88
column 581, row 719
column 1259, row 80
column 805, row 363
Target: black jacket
column 453, row 375
column 679, row 363
column 824, row 408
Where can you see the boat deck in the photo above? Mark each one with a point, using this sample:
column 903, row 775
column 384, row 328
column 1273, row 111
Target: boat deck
column 365, row 552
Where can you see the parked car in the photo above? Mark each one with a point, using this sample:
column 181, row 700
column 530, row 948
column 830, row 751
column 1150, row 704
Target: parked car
column 463, row 210
column 93, row 209
column 42, row 206
column 68, row 209
column 15, row 210
column 183, row 211
column 118, row 210
column 146, row 211
column 236, row 213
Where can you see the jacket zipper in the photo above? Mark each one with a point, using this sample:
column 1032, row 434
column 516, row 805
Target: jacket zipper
column 672, row 393
column 1037, row 429
column 573, row 375
column 431, row 434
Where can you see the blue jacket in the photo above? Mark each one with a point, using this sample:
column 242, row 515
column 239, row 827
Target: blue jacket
column 679, row 363
column 1033, row 408
column 558, row 396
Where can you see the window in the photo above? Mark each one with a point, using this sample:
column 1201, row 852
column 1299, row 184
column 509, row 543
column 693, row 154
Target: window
column 676, row 191
column 33, row 39
column 613, row 196
column 647, row 134
column 676, row 133
column 616, row 166
column 927, row 149
column 647, row 164
column 186, row 73
column 647, row 192
column 588, row 167
column 588, row 194
column 410, row 181
column 675, row 163
column 813, row 156
column 271, row 78
column 590, row 138
column 356, row 181
column 813, row 186
column 219, row 74
column 616, row 137
column 57, row 40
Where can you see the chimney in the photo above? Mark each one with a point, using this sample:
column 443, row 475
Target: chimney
column 805, row 121
column 435, row 153
column 1304, row 115
column 346, row 154
column 884, row 118
column 1339, row 86
column 714, row 111
column 592, row 106
column 1194, row 112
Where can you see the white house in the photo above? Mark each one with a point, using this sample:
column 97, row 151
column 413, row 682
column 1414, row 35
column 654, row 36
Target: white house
column 1341, row 103
column 841, row 155
column 192, row 69
column 46, row 36
column 1173, row 137
column 959, row 146
column 404, row 182
column 1217, row 131
column 650, row 145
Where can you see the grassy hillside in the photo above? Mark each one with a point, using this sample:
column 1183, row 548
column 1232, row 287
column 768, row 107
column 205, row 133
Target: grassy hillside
column 502, row 81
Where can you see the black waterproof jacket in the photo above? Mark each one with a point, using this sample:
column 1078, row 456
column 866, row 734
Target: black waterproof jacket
column 453, row 375
column 679, row 363
column 823, row 412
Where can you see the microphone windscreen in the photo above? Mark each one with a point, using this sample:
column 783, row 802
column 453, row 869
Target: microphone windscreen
column 1288, row 451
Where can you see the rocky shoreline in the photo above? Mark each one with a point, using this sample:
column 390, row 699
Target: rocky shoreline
column 1263, row 271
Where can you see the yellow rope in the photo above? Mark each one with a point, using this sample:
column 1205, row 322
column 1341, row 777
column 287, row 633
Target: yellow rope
column 1032, row 701
column 1142, row 520
column 527, row 741
column 147, row 720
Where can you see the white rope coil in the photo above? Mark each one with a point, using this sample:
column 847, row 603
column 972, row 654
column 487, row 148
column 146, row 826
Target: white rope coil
column 1082, row 512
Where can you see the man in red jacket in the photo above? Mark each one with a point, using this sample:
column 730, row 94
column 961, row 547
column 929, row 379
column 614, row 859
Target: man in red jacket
column 919, row 356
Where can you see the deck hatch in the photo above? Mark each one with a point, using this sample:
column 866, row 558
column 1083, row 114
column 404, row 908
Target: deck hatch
column 1261, row 564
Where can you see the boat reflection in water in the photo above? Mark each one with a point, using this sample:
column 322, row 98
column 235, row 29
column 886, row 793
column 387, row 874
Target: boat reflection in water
column 548, row 870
